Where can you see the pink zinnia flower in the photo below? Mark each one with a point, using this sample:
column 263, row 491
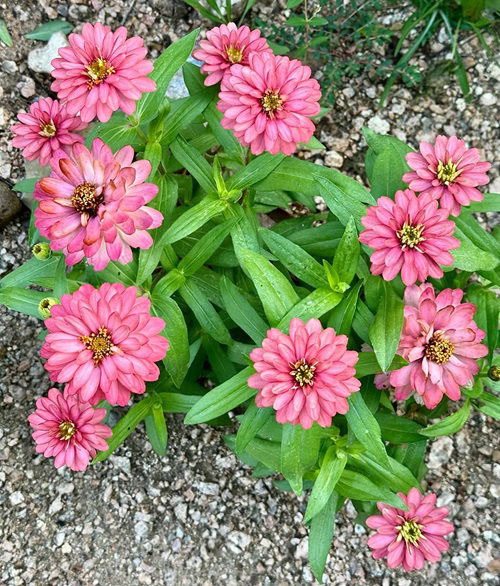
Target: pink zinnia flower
column 68, row 429
column 306, row 375
column 441, row 342
column 104, row 343
column 45, row 129
column 408, row 538
column 448, row 171
column 93, row 205
column 267, row 104
column 101, row 72
column 225, row 46
column 409, row 235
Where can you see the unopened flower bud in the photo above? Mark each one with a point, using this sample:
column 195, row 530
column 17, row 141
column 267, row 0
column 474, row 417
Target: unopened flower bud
column 41, row 250
column 494, row 373
column 45, row 305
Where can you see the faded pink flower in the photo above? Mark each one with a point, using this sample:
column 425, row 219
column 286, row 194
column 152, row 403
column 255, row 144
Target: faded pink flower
column 306, row 375
column 93, row 205
column 267, row 104
column 101, row 71
column 381, row 381
column 409, row 235
column 408, row 538
column 448, row 171
column 225, row 46
column 104, row 343
column 45, row 129
column 68, row 429
column 440, row 341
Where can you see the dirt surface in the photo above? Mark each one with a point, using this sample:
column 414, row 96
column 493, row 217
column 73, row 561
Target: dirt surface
column 197, row 516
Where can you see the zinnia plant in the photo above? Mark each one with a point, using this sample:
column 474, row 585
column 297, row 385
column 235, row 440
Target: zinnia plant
column 177, row 277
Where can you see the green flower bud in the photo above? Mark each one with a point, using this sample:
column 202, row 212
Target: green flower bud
column 494, row 373
column 41, row 250
column 45, row 305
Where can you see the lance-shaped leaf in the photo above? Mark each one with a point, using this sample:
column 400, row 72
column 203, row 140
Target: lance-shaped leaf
column 386, row 329
column 321, row 535
column 184, row 115
column 346, row 258
column 194, row 162
column 222, row 399
column 299, row 452
column 156, row 429
column 251, row 423
column 315, row 305
column 193, row 219
column 257, row 170
column 23, row 300
column 448, row 425
column 356, row 486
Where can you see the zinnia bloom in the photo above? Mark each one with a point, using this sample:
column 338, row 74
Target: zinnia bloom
column 448, row 171
column 45, row 129
column 440, row 341
column 408, row 538
column 225, row 46
column 104, row 343
column 409, row 235
column 68, row 429
column 306, row 375
column 267, row 104
column 93, row 205
column 101, row 72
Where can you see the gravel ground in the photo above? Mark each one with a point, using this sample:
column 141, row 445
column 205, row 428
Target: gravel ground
column 196, row 516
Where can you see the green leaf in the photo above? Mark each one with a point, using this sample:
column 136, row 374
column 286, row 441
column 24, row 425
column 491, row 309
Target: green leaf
column 321, row 535
column 342, row 315
column 152, row 153
column 31, row 272
column 491, row 203
column 241, row 312
column 169, row 284
column 293, row 3
column 295, row 259
column 257, row 170
column 490, row 405
column 250, row 425
column 412, row 457
column 26, row 185
column 22, row 300
column 448, row 425
column 222, row 399
column 165, row 67
column 366, row 428
column 396, row 476
column 205, row 247
column 117, row 132
column 177, row 403
column 204, row 311
column 340, row 203
column 223, row 136
column 486, row 316
column 386, row 329
column 275, row 291
column 265, row 451
column 367, row 364
column 47, row 29
column 471, row 258
column 195, row 163
column 4, row 33
column 356, row 486
column 126, row 426
column 193, row 219
column 315, row 305
column 244, row 233
column 397, row 429
column 156, row 429
column 470, row 228
column 299, row 452
column 184, row 115
column 346, row 258
column 333, row 465
column 164, row 202
column 222, row 368
column 176, row 361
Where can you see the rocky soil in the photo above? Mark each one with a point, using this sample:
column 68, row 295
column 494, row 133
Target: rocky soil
column 197, row 516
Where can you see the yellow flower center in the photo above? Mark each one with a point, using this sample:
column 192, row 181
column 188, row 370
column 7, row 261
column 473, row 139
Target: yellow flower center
column 302, row 372
column 47, row 129
column 410, row 236
column 447, row 172
column 97, row 71
column 234, row 54
column 271, row 102
column 67, row 430
column 410, row 531
column 100, row 344
column 439, row 350
column 85, row 199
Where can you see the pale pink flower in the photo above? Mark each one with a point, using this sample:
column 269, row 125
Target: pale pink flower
column 101, row 72
column 227, row 45
column 45, row 129
column 93, row 205
column 409, row 538
column 68, row 429
column 267, row 104
column 449, row 171
column 305, row 376
column 381, row 381
column 104, row 343
column 441, row 342
column 410, row 236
